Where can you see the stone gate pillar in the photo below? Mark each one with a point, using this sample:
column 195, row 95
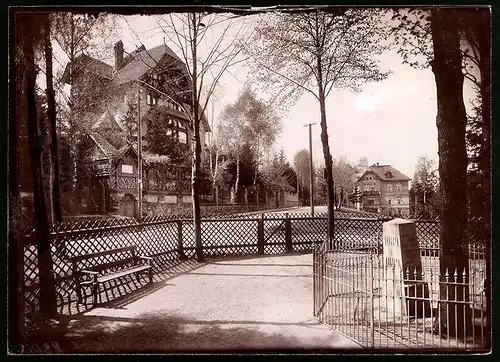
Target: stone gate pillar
column 403, row 269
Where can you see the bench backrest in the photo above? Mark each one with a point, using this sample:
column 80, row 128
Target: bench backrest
column 103, row 260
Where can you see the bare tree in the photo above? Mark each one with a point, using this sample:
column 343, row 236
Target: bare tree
column 213, row 154
column 223, row 37
column 314, row 52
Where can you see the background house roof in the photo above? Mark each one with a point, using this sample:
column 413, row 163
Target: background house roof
column 382, row 170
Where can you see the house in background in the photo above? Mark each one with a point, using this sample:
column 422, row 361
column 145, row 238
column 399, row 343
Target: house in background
column 102, row 96
column 383, row 188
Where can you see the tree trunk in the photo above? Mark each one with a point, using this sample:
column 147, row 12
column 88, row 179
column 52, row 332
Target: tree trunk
column 51, row 114
column 328, row 165
column 216, row 195
column 197, row 149
column 15, row 250
column 298, row 192
column 451, row 122
column 235, row 195
column 483, row 33
column 73, row 130
column 43, row 237
column 52, row 125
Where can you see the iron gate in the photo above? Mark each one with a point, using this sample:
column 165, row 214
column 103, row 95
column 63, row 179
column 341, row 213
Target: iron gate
column 357, row 295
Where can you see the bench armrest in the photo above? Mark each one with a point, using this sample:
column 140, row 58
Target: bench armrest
column 81, row 273
column 147, row 258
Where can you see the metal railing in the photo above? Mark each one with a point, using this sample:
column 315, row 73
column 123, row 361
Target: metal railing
column 380, row 307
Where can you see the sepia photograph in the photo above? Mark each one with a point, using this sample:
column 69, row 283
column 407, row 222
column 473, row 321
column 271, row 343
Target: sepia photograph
column 221, row 179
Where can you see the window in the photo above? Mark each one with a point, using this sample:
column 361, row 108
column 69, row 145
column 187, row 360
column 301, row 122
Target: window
column 367, row 188
column 370, row 201
column 400, row 201
column 127, row 169
column 389, row 187
column 398, row 187
column 151, row 98
column 389, row 201
column 182, row 137
column 154, row 80
column 372, row 188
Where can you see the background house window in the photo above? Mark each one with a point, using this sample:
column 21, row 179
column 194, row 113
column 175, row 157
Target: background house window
column 372, row 188
column 389, row 201
column 398, row 186
column 389, row 187
column 400, row 201
column 370, row 201
column 366, row 188
column 127, row 169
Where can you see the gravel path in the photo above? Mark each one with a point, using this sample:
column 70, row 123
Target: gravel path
column 241, row 304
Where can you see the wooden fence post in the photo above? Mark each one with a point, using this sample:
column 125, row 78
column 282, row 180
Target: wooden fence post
column 182, row 256
column 260, row 234
column 288, row 234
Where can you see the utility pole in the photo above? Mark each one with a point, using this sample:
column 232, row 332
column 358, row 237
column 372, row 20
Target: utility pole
column 139, row 155
column 311, row 176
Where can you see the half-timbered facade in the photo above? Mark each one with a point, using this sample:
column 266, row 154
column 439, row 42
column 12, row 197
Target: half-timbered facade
column 155, row 82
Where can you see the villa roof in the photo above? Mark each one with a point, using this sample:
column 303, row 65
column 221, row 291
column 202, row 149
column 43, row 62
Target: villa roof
column 386, row 173
column 142, row 62
column 103, row 145
column 90, row 64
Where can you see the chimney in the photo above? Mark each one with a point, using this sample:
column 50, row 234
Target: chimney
column 118, row 55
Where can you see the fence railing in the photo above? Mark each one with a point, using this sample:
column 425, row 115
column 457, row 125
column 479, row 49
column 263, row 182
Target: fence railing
column 381, row 308
column 169, row 240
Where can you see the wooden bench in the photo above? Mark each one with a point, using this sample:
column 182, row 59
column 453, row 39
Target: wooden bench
column 92, row 270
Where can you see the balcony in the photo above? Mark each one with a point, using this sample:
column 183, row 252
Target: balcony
column 371, row 193
column 101, row 168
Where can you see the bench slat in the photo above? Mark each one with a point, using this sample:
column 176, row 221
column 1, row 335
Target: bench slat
column 78, row 258
column 122, row 273
column 112, row 264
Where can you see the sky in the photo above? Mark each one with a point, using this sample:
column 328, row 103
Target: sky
column 391, row 122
